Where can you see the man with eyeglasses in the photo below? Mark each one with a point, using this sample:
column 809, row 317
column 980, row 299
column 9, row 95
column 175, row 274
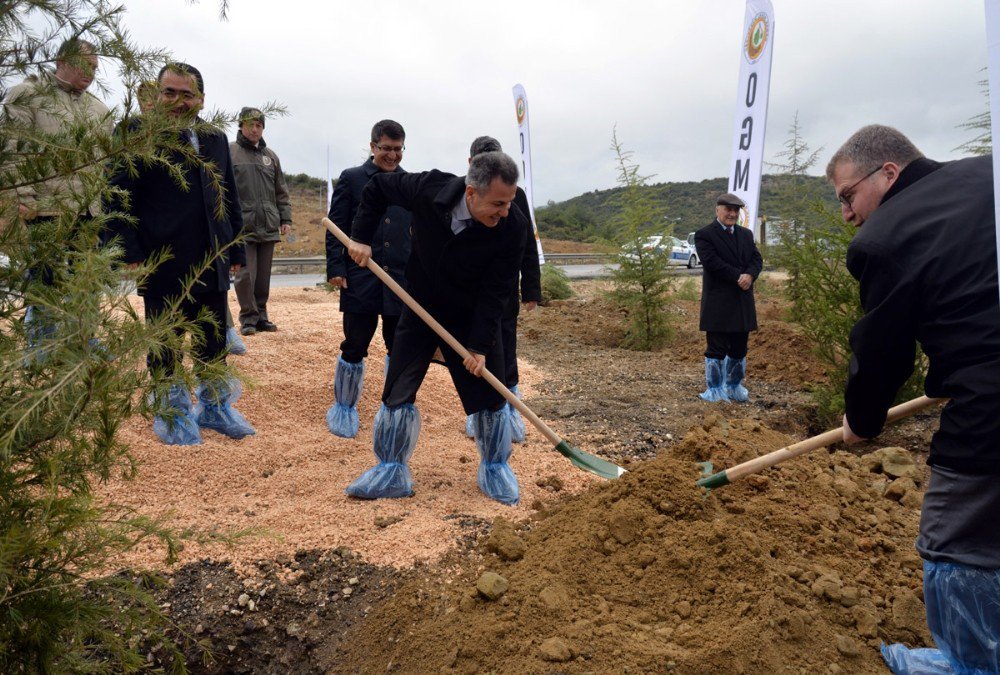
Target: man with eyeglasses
column 731, row 263
column 363, row 298
column 926, row 259
column 186, row 223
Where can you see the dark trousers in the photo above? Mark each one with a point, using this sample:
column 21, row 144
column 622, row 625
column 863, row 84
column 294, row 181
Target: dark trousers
column 359, row 329
column 721, row 345
column 415, row 345
column 508, row 336
column 212, row 348
column 253, row 283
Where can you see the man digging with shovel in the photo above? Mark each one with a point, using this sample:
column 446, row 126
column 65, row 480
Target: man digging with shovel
column 925, row 256
column 465, row 256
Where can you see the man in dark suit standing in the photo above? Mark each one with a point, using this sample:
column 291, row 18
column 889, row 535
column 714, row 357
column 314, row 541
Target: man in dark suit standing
column 189, row 226
column 363, row 298
column 731, row 264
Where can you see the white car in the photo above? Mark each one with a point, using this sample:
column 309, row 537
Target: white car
column 683, row 253
column 680, row 252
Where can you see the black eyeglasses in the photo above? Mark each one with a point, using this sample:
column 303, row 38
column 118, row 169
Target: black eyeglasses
column 398, row 149
column 173, row 94
column 846, row 200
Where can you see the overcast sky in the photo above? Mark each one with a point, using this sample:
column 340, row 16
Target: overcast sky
column 664, row 71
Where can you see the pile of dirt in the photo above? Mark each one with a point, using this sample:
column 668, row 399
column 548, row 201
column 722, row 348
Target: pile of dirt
column 805, row 567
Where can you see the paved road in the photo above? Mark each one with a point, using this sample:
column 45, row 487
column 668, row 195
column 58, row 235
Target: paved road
column 572, row 271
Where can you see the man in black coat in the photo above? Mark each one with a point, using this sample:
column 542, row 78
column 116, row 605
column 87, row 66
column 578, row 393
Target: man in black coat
column 468, row 242
column 187, row 225
column 926, row 258
column 363, row 298
column 731, row 264
column 530, row 296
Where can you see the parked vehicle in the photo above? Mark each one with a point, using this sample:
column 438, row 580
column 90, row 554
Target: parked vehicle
column 694, row 261
column 681, row 253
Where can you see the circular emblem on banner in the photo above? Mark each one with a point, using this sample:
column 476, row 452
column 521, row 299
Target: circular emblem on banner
column 756, row 38
column 744, row 217
column 521, row 109
column 265, row 160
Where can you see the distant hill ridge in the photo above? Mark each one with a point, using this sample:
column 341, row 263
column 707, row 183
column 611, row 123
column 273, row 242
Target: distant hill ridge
column 686, row 206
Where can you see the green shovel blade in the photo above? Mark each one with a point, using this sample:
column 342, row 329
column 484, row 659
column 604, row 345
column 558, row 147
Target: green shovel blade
column 587, row 462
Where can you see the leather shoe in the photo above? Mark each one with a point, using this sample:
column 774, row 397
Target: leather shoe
column 266, row 326
column 248, row 330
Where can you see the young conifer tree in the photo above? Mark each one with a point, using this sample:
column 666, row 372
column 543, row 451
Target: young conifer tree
column 641, row 281
column 71, row 376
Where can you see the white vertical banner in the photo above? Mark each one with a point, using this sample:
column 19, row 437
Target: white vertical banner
column 524, row 136
column 993, row 59
column 757, row 41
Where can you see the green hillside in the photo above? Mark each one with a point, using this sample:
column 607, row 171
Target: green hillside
column 685, row 206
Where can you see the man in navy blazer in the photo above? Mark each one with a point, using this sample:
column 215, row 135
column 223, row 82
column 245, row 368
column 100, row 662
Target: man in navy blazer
column 189, row 226
column 731, row 264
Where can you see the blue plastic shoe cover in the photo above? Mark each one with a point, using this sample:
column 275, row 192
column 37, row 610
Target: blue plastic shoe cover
column 514, row 418
column 174, row 423
column 215, row 410
column 496, row 478
column 470, row 426
column 342, row 417
column 963, row 614
column 395, row 435
column 713, row 378
column 40, row 329
column 905, row 661
column 234, row 342
column 734, row 370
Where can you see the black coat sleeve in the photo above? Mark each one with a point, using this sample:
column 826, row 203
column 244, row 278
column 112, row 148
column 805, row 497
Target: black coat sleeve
column 756, row 261
column 531, row 284
column 381, row 192
column 340, row 213
column 234, row 212
column 883, row 341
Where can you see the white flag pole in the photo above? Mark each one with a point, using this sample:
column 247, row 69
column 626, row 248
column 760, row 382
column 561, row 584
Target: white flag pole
column 524, row 134
column 329, row 180
column 993, row 49
column 757, row 42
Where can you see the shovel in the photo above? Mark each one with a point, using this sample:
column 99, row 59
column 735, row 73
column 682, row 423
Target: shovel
column 579, row 458
column 827, row 438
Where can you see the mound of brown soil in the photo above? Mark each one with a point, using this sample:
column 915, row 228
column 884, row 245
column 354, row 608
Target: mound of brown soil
column 805, row 567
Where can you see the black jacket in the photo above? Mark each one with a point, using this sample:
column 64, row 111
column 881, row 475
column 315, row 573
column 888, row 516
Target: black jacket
column 725, row 307
column 463, row 280
column 927, row 263
column 390, row 246
column 531, row 283
column 182, row 222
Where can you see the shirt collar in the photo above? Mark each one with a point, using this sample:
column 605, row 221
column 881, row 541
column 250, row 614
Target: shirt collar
column 461, row 210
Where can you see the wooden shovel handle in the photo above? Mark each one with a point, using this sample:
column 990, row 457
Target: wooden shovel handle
column 826, row 438
column 501, row 388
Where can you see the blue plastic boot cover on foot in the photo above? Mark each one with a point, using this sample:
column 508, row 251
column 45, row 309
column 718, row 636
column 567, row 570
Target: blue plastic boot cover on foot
column 734, row 370
column 963, row 614
column 470, row 426
column 395, row 435
column 342, row 417
column 215, row 409
column 496, row 478
column 174, row 423
column 234, row 342
column 514, row 418
column 713, row 378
